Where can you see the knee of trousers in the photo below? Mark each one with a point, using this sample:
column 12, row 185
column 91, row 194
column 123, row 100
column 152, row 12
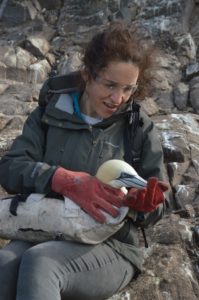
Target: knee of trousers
column 13, row 251
column 38, row 265
column 6, row 257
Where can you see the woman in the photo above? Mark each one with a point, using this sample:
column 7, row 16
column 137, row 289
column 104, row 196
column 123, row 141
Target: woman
column 85, row 128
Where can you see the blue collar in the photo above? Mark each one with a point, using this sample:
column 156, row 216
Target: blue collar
column 75, row 98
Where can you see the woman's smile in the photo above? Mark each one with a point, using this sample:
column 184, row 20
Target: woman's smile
column 110, row 106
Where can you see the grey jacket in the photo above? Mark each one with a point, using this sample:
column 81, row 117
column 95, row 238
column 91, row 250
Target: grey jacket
column 73, row 144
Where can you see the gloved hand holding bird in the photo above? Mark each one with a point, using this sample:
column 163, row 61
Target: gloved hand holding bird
column 95, row 193
column 93, row 209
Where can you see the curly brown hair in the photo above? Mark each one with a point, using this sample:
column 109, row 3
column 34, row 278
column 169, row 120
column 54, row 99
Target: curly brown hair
column 119, row 42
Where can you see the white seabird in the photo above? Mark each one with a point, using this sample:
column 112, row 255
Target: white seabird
column 40, row 218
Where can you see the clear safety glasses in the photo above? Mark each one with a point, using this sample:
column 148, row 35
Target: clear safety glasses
column 111, row 86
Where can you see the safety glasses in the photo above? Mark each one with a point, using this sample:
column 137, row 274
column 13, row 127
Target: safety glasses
column 111, row 86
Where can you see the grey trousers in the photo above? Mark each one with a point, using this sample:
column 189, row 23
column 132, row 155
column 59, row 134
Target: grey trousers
column 58, row 270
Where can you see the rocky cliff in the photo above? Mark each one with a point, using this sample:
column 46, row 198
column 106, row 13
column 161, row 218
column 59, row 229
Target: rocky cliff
column 41, row 38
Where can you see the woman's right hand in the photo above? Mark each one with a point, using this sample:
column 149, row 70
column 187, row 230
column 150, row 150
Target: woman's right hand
column 88, row 192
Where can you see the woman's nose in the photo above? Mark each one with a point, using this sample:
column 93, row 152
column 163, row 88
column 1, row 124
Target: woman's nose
column 117, row 96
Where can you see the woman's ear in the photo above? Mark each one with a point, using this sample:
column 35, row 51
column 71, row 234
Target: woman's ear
column 85, row 74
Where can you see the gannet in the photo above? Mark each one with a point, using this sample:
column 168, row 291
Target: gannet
column 40, row 218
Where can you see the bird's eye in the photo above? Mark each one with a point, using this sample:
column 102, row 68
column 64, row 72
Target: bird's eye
column 125, row 175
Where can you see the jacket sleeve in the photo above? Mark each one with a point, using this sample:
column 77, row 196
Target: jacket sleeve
column 22, row 169
column 151, row 163
column 151, row 156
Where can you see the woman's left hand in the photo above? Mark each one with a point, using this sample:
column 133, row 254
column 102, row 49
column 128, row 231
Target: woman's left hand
column 147, row 199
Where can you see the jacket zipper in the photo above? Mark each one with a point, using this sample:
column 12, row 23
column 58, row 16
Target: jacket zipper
column 92, row 137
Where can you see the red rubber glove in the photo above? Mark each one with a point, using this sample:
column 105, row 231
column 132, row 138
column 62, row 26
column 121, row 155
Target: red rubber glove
column 88, row 192
column 147, row 199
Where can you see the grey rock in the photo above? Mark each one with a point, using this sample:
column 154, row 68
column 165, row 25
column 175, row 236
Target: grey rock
column 75, row 14
column 114, row 5
column 181, row 96
column 50, row 5
column 165, row 102
column 166, row 16
column 192, row 70
column 3, row 87
column 176, row 171
column 38, row 72
column 194, row 94
column 37, row 46
column 149, row 105
column 16, row 13
column 70, row 63
column 184, row 194
column 186, row 49
column 168, row 271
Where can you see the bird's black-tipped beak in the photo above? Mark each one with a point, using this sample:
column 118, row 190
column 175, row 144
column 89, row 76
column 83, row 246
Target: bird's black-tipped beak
column 129, row 180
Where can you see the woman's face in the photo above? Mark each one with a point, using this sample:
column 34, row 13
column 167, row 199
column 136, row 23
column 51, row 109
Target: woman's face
column 107, row 90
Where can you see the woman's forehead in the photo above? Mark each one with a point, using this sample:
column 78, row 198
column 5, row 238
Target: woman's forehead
column 121, row 71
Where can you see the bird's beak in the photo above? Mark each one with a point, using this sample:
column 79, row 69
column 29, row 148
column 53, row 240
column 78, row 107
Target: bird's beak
column 129, row 180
